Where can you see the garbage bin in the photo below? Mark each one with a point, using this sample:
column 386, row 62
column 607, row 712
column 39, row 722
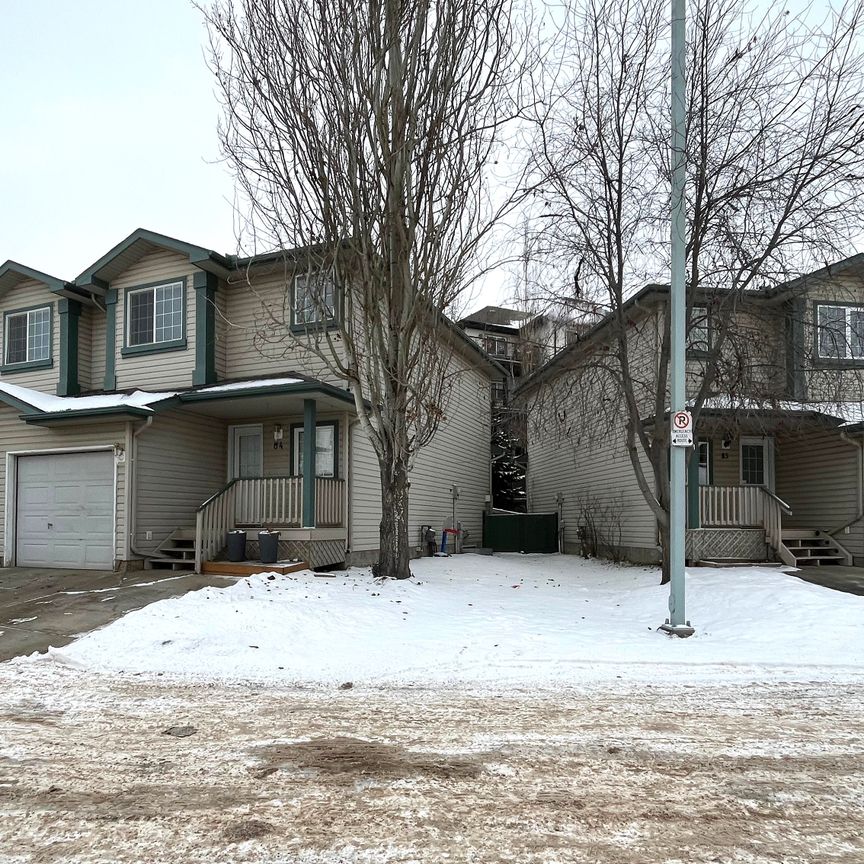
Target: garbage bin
column 268, row 546
column 236, row 545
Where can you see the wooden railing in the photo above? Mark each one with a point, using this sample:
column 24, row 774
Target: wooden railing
column 263, row 501
column 743, row 507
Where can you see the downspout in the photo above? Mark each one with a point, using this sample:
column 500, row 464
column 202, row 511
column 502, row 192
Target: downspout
column 859, row 446
column 131, row 486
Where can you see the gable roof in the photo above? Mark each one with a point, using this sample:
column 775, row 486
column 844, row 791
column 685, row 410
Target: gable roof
column 13, row 274
column 140, row 242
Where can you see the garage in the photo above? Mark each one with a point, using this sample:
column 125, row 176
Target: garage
column 65, row 510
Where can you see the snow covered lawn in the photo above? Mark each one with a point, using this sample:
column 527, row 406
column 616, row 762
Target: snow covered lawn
column 508, row 619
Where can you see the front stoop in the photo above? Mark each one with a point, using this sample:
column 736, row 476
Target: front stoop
column 250, row 568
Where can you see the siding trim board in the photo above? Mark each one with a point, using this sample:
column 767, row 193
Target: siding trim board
column 110, row 339
column 70, row 313
column 204, row 285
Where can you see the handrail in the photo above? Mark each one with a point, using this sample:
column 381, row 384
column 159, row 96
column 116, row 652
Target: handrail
column 213, row 497
column 783, row 505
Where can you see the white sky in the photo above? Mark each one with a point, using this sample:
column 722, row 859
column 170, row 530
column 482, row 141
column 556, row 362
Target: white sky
column 109, row 122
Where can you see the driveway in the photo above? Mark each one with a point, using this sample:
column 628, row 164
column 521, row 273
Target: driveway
column 838, row 577
column 41, row 608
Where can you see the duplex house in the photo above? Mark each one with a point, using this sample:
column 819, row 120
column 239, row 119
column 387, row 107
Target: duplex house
column 151, row 404
column 776, row 470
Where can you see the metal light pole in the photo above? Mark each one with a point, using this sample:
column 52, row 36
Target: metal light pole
column 677, row 622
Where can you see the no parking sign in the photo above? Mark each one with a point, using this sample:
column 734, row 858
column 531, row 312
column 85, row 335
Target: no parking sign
column 682, row 429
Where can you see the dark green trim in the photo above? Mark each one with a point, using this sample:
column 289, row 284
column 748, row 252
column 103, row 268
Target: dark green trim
column 110, row 339
column 205, row 285
column 153, row 347
column 796, row 349
column 195, row 254
column 29, row 365
column 56, row 285
column 292, row 468
column 693, row 486
column 70, row 312
column 113, row 410
column 309, row 441
column 289, row 389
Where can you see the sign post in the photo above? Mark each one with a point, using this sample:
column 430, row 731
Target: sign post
column 682, row 422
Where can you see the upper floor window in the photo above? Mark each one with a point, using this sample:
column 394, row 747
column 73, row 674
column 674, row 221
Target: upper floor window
column 840, row 331
column 699, row 337
column 499, row 393
column 28, row 336
column 314, row 300
column 495, row 346
column 154, row 315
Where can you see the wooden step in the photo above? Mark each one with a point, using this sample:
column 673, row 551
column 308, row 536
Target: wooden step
column 249, row 568
column 158, row 562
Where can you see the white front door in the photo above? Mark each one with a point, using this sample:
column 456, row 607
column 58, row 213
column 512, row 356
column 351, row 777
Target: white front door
column 757, row 461
column 247, row 451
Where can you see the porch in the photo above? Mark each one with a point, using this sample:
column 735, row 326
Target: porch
column 771, row 486
column 311, row 522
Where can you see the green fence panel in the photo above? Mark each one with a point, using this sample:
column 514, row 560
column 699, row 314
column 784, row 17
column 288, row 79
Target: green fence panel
column 521, row 532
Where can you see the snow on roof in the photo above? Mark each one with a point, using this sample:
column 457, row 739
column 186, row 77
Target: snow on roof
column 54, row 404
column 251, row 385
column 849, row 413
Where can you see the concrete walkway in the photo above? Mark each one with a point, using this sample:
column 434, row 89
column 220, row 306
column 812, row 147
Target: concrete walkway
column 41, row 608
column 838, row 577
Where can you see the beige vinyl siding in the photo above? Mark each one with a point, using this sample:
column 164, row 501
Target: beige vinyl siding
column 18, row 436
column 258, row 338
column 97, row 346
column 817, row 474
column 85, row 349
column 157, row 370
column 593, row 474
column 221, row 342
column 577, row 444
column 364, row 493
column 458, row 455
column 180, row 464
column 26, row 295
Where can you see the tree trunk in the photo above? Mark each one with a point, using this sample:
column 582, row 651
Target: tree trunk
column 394, row 548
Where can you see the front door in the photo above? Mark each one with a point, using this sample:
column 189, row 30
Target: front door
column 757, row 461
column 247, row 451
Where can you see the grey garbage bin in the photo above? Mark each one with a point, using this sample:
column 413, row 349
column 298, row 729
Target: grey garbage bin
column 268, row 546
column 236, row 545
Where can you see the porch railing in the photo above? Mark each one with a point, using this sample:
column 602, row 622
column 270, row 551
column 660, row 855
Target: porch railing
column 263, row 501
column 743, row 507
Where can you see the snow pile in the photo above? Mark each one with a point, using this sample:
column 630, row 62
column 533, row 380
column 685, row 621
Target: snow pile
column 52, row 404
column 531, row 620
column 249, row 385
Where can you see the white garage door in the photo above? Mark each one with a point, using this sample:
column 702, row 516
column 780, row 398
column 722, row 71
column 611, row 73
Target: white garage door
column 65, row 515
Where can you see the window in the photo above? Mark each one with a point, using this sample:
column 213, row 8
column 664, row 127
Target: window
column 154, row 315
column 753, row 464
column 28, row 336
column 314, row 300
column 495, row 346
column 704, row 446
column 840, row 332
column 699, row 338
column 325, row 450
column 499, row 392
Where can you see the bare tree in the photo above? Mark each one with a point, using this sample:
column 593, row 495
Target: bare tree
column 774, row 184
column 366, row 133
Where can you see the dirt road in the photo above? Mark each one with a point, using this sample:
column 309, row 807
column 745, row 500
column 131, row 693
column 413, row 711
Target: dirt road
column 623, row 773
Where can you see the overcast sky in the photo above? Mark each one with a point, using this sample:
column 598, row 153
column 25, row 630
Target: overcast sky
column 109, row 124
